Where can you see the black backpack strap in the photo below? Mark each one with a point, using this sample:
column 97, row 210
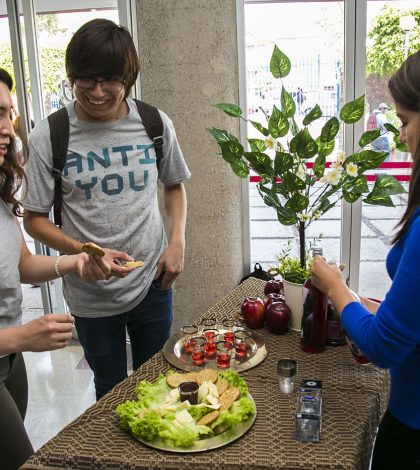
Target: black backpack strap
column 153, row 124
column 59, row 135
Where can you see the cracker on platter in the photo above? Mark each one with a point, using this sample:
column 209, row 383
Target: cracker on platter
column 208, row 418
column 207, row 375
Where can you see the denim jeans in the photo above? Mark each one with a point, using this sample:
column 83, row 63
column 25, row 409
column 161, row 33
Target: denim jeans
column 104, row 339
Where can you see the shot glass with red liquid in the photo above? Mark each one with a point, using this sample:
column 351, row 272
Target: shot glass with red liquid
column 198, row 350
column 187, row 332
column 241, row 342
column 228, row 327
column 211, row 335
column 224, row 350
column 207, row 324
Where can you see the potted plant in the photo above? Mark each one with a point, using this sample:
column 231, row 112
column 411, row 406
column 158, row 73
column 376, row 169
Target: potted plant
column 296, row 180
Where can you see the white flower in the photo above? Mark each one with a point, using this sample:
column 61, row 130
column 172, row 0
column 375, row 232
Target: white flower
column 351, row 169
column 340, row 157
column 336, row 164
column 317, row 214
column 269, row 142
column 302, row 217
column 333, row 177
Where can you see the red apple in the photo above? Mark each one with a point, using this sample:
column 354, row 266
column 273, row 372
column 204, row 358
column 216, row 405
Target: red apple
column 273, row 286
column 273, row 297
column 278, row 316
column 252, row 310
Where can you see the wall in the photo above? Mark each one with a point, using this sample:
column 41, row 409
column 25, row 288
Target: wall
column 188, row 56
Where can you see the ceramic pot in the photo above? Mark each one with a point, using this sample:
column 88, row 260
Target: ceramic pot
column 294, row 300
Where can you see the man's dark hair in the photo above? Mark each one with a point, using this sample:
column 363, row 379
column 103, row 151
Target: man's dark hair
column 6, row 78
column 101, row 48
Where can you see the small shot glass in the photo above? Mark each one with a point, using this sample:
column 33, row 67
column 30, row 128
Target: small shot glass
column 239, row 324
column 198, row 350
column 211, row 335
column 187, row 332
column 228, row 329
column 224, row 350
column 241, row 342
column 189, row 391
column 208, row 324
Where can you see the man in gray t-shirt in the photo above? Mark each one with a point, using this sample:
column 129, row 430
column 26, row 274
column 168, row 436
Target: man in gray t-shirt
column 109, row 193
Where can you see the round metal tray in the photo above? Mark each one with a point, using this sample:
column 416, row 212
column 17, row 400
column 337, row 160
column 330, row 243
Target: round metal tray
column 220, row 440
column 175, row 354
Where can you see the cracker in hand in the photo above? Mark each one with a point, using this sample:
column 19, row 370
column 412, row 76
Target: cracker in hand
column 92, row 249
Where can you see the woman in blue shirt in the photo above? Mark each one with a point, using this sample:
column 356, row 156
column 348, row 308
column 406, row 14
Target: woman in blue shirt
column 389, row 333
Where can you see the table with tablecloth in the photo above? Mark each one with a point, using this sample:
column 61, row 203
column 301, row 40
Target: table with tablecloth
column 354, row 399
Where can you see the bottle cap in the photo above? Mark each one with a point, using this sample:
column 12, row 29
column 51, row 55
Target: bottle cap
column 317, row 250
column 287, row 367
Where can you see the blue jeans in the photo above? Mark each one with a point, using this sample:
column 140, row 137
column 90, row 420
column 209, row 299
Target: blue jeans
column 104, row 339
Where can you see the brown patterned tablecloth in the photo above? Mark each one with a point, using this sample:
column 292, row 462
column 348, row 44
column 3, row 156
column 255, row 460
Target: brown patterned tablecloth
column 354, row 398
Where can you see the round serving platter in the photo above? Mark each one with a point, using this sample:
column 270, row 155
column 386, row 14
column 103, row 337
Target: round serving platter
column 202, row 445
column 176, row 355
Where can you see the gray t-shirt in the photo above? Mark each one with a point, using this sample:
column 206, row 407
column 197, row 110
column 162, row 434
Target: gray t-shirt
column 10, row 289
column 109, row 198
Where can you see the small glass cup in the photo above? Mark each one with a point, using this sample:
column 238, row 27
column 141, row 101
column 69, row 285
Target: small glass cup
column 189, row 391
column 357, row 354
column 187, row 332
column 198, row 350
column 224, row 351
column 208, row 324
column 211, row 336
column 239, row 324
column 241, row 342
column 228, row 327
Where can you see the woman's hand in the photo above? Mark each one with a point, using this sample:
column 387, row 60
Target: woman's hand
column 325, row 276
column 52, row 331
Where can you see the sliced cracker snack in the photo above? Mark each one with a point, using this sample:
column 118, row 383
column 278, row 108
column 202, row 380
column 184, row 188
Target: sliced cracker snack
column 133, row 264
column 207, row 375
column 228, row 397
column 176, row 379
column 222, row 385
column 208, row 418
column 93, row 249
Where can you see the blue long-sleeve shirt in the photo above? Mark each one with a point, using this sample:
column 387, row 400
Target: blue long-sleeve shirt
column 391, row 338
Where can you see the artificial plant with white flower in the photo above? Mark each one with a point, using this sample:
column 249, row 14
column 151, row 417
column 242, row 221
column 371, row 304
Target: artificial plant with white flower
column 298, row 192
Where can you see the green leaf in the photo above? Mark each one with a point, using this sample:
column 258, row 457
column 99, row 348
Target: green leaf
column 379, row 201
column 401, row 147
column 303, row 144
column 269, row 196
column 390, row 128
column 260, row 128
column 387, row 185
column 314, row 113
column 280, row 188
column 353, row 111
column 298, row 202
column 325, row 148
column 240, row 168
column 294, row 129
column 278, row 125
column 292, row 182
column 319, row 166
column 325, row 205
column 359, row 185
column 330, row 130
column 286, row 216
column 282, row 162
column 261, row 163
column 368, row 137
column 221, row 135
column 257, row 145
column 368, row 159
column 230, row 109
column 288, row 106
column 279, row 64
column 231, row 150
column 350, row 196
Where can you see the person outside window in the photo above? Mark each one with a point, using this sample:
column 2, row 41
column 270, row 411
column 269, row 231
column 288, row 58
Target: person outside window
column 382, row 142
column 110, row 198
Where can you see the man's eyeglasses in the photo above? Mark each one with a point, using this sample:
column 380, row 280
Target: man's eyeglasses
column 89, row 83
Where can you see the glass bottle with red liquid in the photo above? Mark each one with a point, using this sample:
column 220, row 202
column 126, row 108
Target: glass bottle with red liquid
column 313, row 333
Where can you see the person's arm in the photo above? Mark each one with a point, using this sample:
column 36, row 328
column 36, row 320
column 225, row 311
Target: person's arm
column 172, row 259
column 40, row 227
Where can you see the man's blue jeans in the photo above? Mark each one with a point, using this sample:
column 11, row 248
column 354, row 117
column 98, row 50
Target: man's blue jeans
column 104, row 339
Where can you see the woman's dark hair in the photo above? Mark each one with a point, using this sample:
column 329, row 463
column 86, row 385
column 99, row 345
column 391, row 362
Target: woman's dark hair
column 404, row 87
column 101, row 48
column 11, row 172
